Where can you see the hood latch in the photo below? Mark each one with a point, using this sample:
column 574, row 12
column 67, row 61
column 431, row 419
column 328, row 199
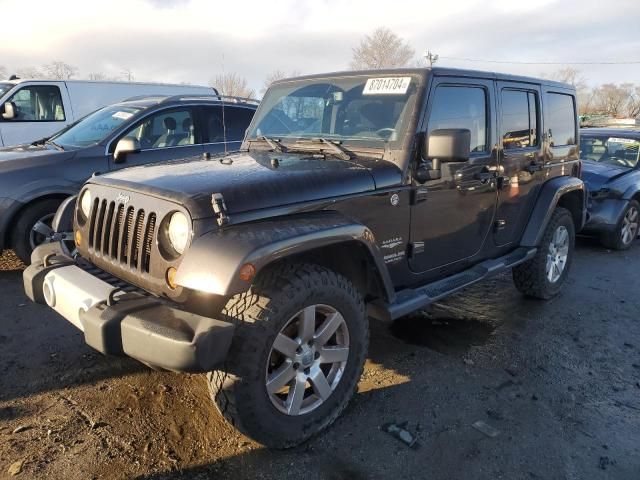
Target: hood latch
column 220, row 209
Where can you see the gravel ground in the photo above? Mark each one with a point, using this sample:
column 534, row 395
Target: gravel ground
column 557, row 385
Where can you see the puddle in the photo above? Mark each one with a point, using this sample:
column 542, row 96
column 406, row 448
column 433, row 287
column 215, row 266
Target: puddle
column 448, row 335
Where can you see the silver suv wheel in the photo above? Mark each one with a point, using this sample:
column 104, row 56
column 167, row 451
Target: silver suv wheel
column 629, row 230
column 307, row 360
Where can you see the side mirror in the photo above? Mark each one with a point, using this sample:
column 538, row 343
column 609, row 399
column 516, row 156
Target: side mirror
column 125, row 146
column 449, row 145
column 9, row 111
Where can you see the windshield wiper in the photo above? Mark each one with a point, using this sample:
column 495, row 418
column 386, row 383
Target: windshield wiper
column 273, row 143
column 59, row 147
column 336, row 150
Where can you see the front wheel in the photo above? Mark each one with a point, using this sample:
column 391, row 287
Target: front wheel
column 626, row 230
column 298, row 351
column 543, row 275
column 33, row 227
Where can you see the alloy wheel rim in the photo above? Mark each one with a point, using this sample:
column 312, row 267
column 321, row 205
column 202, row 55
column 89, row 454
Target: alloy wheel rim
column 41, row 230
column 629, row 226
column 557, row 254
column 307, row 360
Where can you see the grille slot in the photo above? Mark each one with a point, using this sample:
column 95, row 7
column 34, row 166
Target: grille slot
column 122, row 233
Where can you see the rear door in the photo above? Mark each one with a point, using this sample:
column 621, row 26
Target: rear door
column 41, row 110
column 164, row 135
column 521, row 158
column 452, row 216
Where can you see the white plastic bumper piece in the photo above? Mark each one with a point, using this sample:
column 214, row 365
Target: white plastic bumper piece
column 70, row 290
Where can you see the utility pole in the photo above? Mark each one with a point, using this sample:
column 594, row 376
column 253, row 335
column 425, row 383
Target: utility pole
column 430, row 57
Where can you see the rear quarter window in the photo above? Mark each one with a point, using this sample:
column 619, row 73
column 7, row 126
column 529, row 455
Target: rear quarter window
column 560, row 119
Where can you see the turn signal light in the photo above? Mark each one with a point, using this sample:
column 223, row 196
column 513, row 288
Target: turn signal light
column 247, row 272
column 77, row 237
column 171, row 278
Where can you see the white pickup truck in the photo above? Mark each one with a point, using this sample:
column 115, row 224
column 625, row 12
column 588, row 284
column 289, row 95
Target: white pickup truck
column 34, row 109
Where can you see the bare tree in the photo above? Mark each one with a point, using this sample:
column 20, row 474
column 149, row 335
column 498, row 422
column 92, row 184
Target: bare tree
column 570, row 75
column 3, row 72
column 127, row 73
column 633, row 105
column 59, row 70
column 276, row 75
column 611, row 99
column 97, row 76
column 381, row 49
column 30, row 72
column 232, row 84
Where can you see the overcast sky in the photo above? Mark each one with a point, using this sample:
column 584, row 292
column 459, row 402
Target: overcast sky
column 193, row 40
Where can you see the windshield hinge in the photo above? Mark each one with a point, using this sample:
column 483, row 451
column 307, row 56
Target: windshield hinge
column 220, row 209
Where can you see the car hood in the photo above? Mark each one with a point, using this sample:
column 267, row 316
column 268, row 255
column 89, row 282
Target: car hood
column 29, row 156
column 253, row 180
column 595, row 174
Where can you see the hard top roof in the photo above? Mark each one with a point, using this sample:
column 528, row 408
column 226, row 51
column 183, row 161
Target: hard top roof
column 439, row 71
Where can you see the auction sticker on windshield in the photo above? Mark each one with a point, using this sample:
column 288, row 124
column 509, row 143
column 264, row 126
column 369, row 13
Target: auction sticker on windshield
column 626, row 141
column 122, row 115
column 387, row 86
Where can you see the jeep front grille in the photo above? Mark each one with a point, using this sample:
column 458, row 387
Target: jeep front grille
column 122, row 233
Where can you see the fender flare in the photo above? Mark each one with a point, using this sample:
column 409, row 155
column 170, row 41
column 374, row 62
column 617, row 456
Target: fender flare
column 631, row 192
column 548, row 199
column 213, row 261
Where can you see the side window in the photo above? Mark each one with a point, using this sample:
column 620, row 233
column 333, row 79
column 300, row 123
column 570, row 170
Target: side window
column 560, row 119
column 461, row 107
column 164, row 130
column 213, row 126
column 519, row 119
column 38, row 103
column 237, row 120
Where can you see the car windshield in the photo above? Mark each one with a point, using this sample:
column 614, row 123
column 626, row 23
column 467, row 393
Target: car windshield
column 611, row 149
column 94, row 127
column 5, row 87
column 358, row 110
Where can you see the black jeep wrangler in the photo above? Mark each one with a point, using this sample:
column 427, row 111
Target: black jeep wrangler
column 356, row 195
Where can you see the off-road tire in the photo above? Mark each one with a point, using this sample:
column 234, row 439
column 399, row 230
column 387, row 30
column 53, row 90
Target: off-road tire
column 27, row 219
column 530, row 277
column 613, row 240
column 239, row 390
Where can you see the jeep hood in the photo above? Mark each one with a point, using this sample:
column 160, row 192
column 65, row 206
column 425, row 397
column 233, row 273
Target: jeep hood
column 595, row 174
column 253, row 180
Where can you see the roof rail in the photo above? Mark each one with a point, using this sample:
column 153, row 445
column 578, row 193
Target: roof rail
column 222, row 98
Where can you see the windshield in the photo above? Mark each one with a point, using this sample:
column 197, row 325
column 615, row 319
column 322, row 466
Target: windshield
column 367, row 110
column 611, row 149
column 5, row 87
column 94, row 127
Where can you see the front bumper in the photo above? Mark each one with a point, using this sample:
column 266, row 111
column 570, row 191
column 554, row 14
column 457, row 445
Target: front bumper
column 604, row 215
column 131, row 324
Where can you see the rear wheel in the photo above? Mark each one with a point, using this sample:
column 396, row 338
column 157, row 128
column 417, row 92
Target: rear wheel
column 543, row 275
column 298, row 352
column 627, row 229
column 33, row 227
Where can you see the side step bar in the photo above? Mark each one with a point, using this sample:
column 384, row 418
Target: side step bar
column 412, row 299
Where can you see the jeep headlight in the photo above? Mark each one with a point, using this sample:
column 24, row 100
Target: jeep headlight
column 85, row 203
column 178, row 231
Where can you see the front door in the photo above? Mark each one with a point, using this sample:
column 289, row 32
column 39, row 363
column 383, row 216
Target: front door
column 451, row 217
column 39, row 112
column 521, row 158
column 164, row 135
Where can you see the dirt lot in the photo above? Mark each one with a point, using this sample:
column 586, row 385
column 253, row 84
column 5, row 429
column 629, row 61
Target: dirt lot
column 560, row 381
